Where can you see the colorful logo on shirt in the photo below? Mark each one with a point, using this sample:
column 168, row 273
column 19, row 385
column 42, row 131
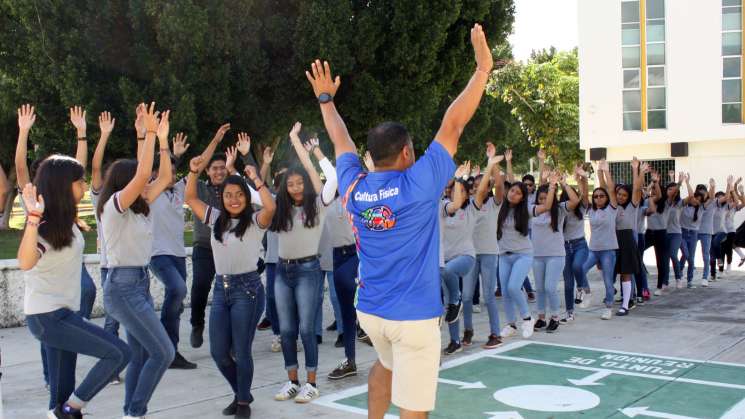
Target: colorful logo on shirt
column 379, row 218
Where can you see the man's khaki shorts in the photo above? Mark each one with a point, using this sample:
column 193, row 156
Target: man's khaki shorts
column 411, row 350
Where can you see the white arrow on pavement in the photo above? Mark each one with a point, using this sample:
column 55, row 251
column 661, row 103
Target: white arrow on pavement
column 504, row 415
column 592, row 379
column 633, row 412
column 463, row 385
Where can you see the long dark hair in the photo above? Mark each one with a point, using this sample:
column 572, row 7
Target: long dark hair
column 662, row 202
column 554, row 207
column 628, row 190
column 120, row 173
column 700, row 195
column 245, row 218
column 282, row 220
column 565, row 198
column 520, row 211
column 53, row 181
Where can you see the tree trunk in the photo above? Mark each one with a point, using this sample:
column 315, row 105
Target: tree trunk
column 5, row 219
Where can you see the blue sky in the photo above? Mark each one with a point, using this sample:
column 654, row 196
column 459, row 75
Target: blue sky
column 543, row 23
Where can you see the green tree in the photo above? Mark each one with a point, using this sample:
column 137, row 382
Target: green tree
column 544, row 96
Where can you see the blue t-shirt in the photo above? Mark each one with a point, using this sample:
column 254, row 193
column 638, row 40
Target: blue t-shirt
column 394, row 216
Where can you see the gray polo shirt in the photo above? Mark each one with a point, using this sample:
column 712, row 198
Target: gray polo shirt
column 54, row 282
column 235, row 255
column 673, row 216
column 686, row 217
column 546, row 241
column 485, row 230
column 641, row 217
column 325, row 250
column 128, row 237
column 167, row 212
column 718, row 219
column 626, row 217
column 272, row 244
column 339, row 227
column 458, row 232
column 512, row 240
column 301, row 242
column 212, row 196
column 657, row 221
column 99, row 230
column 729, row 219
column 707, row 219
column 574, row 227
column 602, row 228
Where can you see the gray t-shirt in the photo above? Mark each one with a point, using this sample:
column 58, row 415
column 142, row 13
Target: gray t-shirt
column 729, row 219
column 325, row 251
column 707, row 217
column 574, row 227
column 272, row 245
column 657, row 221
column 339, row 227
column 546, row 241
column 673, row 216
column 603, row 228
column 235, row 255
column 301, row 242
column 626, row 217
column 167, row 212
column 485, row 230
column 128, row 237
column 99, row 230
column 641, row 217
column 54, row 282
column 458, row 232
column 718, row 218
column 687, row 215
column 512, row 240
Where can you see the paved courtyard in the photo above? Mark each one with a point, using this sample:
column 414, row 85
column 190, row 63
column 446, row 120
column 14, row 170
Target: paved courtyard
column 671, row 358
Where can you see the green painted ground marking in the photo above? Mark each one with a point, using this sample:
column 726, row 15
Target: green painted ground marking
column 532, row 380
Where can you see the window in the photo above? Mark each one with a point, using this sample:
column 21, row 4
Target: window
column 643, row 60
column 621, row 170
column 732, row 88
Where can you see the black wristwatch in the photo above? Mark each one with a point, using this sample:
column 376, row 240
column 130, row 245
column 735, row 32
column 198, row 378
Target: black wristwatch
column 325, row 98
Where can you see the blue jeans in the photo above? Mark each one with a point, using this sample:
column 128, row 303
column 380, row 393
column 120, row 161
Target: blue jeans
column 513, row 268
column 346, row 265
column 486, row 265
column 296, row 293
column 607, row 259
column 237, row 304
column 641, row 279
column 127, row 298
column 87, row 300
column 548, row 271
column 672, row 245
column 705, row 240
column 271, row 305
column 203, row 272
column 65, row 334
column 456, row 268
column 690, row 239
column 717, row 252
column 334, row 302
column 576, row 255
column 171, row 271
column 319, row 305
column 110, row 324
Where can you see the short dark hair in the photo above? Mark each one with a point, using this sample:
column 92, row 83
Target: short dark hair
column 386, row 140
column 217, row 157
column 529, row 177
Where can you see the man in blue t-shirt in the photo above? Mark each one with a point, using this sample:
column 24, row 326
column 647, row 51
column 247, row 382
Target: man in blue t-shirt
column 393, row 211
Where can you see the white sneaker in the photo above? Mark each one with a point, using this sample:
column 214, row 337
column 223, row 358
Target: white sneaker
column 728, row 269
column 299, row 346
column 287, row 392
column 508, row 332
column 568, row 319
column 658, row 292
column 307, row 394
column 586, row 298
column 679, row 284
column 276, row 343
column 704, row 283
column 528, row 327
column 607, row 314
column 134, row 417
column 51, row 415
column 477, row 308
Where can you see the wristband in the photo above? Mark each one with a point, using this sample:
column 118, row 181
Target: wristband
column 165, row 150
column 34, row 214
column 81, row 139
column 32, row 223
column 192, row 171
column 140, row 138
column 258, row 188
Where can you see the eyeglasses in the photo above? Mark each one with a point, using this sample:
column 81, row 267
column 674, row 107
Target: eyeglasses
column 599, row 196
column 529, row 185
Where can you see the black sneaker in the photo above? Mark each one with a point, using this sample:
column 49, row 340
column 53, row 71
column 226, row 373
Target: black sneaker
column 553, row 324
column 493, row 342
column 622, row 312
column 180, row 363
column 243, row 411
column 498, row 293
column 632, row 304
column 231, row 409
column 467, row 337
column 339, row 341
column 264, row 325
column 59, row 412
column 453, row 313
column 640, row 301
column 539, row 324
column 196, row 336
column 331, row 327
column 347, row 368
column 454, row 347
column 531, row 297
column 362, row 337
column 319, row 339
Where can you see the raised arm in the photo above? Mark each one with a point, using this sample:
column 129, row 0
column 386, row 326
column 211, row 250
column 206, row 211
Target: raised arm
column 191, row 198
column 165, row 170
column 304, row 157
column 137, row 185
column 266, row 165
column 711, row 192
column 492, row 160
column 637, row 168
column 542, row 172
column 77, row 118
column 610, row 184
column 325, row 86
column 553, row 179
column 464, row 106
column 26, row 119
column 687, row 179
column 180, row 146
column 573, row 197
column 581, row 176
column 329, row 171
column 4, row 189
column 28, row 251
column 459, row 192
column 217, row 139
column 602, row 167
column 140, row 112
column 106, row 125
column 508, row 160
column 264, row 216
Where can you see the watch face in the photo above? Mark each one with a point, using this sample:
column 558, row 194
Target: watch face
column 324, row 98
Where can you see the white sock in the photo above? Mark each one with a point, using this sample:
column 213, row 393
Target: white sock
column 626, row 290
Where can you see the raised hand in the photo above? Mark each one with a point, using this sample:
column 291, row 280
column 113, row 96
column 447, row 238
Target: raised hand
column 508, row 155
column 655, row 176
column 33, row 202
column 603, row 165
column 268, row 155
column 496, row 159
column 231, row 154
column 541, row 155
column 737, row 182
column 220, row 134
column 461, row 171
column 635, row 163
column 244, row 143
column 296, row 130
column 553, row 178
column 150, row 119
column 579, row 171
column 681, row 177
column 140, row 111
column 164, row 126
column 197, row 164
column 180, row 145
column 484, row 60
column 77, row 117
column 369, row 162
column 491, row 151
column 321, row 78
column 311, row 144
column 26, row 117
column 106, row 123
column 476, row 171
column 645, row 167
column 250, row 172
column 712, row 183
column 730, row 180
